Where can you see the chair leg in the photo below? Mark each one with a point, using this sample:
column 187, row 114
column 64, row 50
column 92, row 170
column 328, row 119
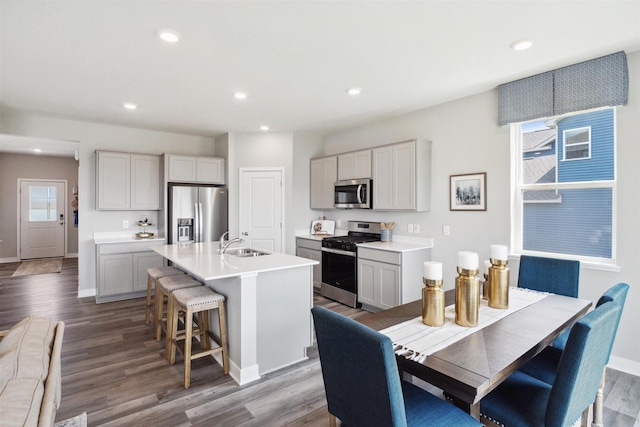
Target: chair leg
column 223, row 338
column 188, row 319
column 171, row 328
column 157, row 319
column 203, row 323
column 147, row 314
column 599, row 402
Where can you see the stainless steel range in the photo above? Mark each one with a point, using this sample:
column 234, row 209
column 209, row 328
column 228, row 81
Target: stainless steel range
column 339, row 261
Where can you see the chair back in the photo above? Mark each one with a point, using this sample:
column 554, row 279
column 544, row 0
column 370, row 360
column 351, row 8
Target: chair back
column 361, row 378
column 581, row 365
column 618, row 295
column 558, row 276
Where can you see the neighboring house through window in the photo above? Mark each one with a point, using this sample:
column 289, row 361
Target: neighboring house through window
column 565, row 208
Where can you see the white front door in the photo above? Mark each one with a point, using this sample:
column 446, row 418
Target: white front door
column 261, row 208
column 42, row 219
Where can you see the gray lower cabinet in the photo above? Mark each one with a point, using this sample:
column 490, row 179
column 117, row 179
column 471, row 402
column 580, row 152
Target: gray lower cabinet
column 121, row 270
column 388, row 278
column 311, row 249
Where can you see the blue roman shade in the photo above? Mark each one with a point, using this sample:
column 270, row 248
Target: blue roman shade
column 595, row 83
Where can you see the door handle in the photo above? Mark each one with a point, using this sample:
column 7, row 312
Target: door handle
column 245, row 233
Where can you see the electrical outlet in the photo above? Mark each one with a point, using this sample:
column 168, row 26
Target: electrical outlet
column 416, row 228
column 446, row 230
column 125, row 224
column 410, row 228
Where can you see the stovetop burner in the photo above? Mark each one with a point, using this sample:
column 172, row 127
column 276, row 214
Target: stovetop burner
column 359, row 232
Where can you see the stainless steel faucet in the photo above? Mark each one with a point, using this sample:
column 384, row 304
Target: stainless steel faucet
column 225, row 244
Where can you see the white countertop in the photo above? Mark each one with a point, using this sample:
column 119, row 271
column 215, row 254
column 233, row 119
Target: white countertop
column 203, row 261
column 306, row 234
column 400, row 244
column 100, row 238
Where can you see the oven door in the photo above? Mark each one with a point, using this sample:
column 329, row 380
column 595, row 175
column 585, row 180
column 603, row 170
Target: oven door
column 339, row 276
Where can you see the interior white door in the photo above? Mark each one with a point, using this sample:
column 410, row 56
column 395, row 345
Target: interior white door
column 261, row 211
column 42, row 219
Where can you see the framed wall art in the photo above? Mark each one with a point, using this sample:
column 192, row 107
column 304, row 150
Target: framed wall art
column 468, row 192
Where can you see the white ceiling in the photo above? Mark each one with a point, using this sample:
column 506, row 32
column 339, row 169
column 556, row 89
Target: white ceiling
column 295, row 59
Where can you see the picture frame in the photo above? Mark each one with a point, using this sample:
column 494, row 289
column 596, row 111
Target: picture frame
column 468, row 192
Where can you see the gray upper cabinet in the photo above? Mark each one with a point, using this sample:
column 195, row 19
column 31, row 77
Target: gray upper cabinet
column 402, row 176
column 126, row 181
column 324, row 172
column 356, row 165
column 204, row 170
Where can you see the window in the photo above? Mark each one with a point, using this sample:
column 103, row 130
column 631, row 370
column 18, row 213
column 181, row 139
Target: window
column 577, row 143
column 42, row 204
column 565, row 208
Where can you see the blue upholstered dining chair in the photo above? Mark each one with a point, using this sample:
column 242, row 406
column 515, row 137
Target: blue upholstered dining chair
column 545, row 364
column 558, row 276
column 362, row 382
column 522, row 400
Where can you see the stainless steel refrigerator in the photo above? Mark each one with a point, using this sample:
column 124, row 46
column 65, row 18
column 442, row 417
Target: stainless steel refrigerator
column 197, row 213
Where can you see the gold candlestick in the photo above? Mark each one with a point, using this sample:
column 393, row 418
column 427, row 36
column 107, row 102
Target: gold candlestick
column 486, row 287
column 432, row 303
column 467, row 297
column 499, row 284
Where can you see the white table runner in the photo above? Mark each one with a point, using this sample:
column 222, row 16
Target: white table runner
column 415, row 340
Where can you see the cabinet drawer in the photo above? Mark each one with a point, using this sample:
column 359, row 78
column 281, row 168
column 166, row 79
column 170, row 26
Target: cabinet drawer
column 119, row 248
column 309, row 243
column 381, row 256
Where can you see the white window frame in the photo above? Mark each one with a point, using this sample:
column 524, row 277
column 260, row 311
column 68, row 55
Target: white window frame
column 564, row 144
column 517, row 189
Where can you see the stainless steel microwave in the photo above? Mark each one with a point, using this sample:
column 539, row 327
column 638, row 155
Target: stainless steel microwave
column 353, row 194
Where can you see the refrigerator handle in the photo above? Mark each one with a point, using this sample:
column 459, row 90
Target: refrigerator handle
column 200, row 232
column 196, row 223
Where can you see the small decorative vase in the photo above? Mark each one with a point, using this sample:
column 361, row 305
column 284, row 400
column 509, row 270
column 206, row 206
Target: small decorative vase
column 467, row 297
column 432, row 303
column 499, row 284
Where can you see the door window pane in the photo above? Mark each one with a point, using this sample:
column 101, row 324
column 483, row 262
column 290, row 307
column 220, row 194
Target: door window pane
column 42, row 203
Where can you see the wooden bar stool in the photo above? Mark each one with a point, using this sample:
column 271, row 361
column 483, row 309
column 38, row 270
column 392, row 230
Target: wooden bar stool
column 166, row 286
column 153, row 274
column 197, row 301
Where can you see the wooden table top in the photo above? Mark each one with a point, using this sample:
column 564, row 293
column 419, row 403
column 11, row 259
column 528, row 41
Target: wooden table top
column 473, row 366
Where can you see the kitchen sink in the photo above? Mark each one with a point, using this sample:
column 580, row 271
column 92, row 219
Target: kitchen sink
column 246, row 252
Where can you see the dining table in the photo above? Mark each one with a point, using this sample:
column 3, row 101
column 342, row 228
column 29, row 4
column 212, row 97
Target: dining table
column 471, row 367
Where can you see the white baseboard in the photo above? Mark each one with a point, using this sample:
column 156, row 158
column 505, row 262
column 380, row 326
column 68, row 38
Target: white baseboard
column 75, row 255
column 84, row 293
column 6, row 260
column 624, row 365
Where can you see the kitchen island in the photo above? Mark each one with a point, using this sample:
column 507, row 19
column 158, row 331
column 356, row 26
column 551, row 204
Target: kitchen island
column 268, row 303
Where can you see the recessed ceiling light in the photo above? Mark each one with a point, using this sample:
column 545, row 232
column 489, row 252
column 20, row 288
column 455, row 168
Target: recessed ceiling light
column 522, row 44
column 264, row 127
column 240, row 95
column 37, row 150
column 354, row 91
column 170, row 36
column 129, row 105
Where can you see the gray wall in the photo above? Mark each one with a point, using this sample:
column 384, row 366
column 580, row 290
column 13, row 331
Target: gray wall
column 14, row 166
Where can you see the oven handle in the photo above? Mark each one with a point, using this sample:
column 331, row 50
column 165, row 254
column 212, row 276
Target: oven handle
column 339, row 252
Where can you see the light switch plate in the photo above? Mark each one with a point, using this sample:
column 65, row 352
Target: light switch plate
column 410, row 228
column 416, row 228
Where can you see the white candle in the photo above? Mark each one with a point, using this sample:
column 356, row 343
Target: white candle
column 468, row 260
column 499, row 252
column 487, row 264
column 433, row 270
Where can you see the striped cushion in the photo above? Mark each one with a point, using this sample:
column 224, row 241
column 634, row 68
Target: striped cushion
column 172, row 283
column 158, row 272
column 194, row 297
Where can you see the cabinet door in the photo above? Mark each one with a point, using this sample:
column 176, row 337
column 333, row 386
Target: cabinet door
column 113, row 180
column 354, row 165
column 346, row 166
column 145, row 182
column 404, row 176
column 182, row 168
column 142, row 261
column 317, row 269
column 323, row 175
column 210, row 170
column 382, row 178
column 387, row 282
column 116, row 274
column 366, row 282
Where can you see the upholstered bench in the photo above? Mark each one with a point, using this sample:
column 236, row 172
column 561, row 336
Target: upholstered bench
column 30, row 377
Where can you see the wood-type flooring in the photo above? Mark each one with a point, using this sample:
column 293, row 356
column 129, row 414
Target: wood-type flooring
column 114, row 370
